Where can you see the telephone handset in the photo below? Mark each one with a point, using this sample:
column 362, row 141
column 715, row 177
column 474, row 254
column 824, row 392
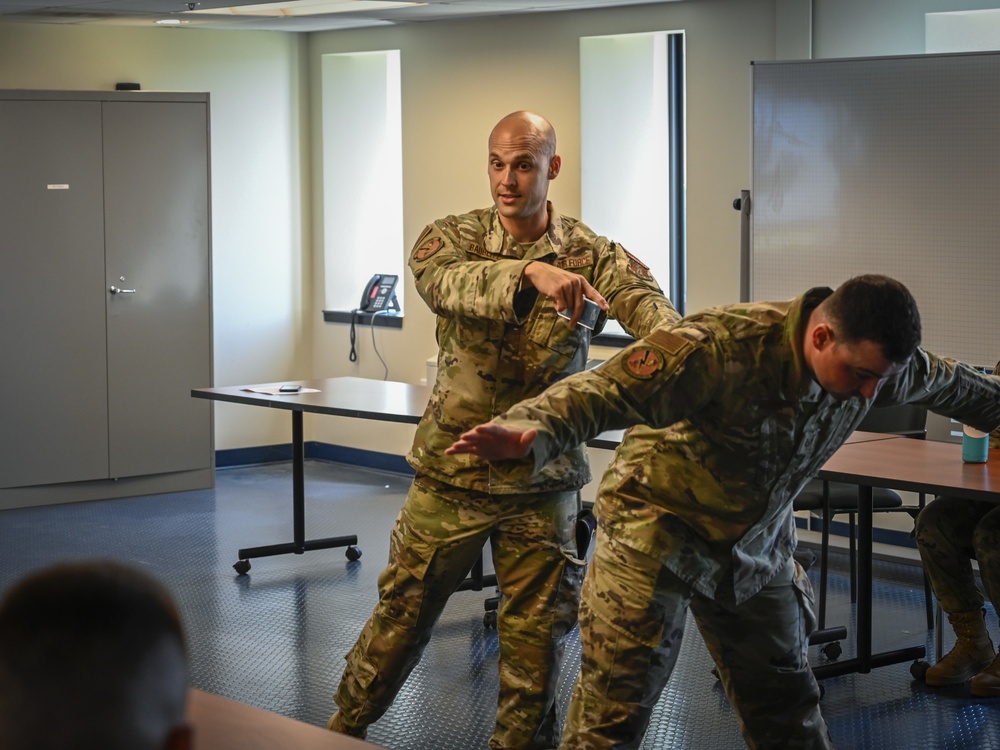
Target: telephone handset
column 379, row 293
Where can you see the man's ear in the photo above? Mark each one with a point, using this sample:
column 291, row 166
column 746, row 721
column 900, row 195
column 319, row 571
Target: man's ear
column 554, row 166
column 821, row 336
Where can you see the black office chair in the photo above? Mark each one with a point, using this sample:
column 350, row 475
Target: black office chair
column 828, row 499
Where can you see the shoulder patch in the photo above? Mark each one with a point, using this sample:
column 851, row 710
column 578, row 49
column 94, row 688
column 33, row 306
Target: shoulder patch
column 428, row 249
column 637, row 267
column 670, row 342
column 644, row 362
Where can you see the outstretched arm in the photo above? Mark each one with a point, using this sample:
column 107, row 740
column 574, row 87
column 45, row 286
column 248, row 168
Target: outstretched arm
column 493, row 442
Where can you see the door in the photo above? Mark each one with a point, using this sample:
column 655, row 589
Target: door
column 53, row 371
column 157, row 256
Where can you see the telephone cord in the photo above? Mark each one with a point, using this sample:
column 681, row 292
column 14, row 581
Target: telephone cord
column 385, row 367
column 353, row 356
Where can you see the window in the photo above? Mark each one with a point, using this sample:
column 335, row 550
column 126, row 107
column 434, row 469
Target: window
column 632, row 144
column 362, row 174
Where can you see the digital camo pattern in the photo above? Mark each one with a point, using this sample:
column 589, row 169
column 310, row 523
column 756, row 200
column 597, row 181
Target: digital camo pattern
column 439, row 534
column 731, row 425
column 950, row 533
column 499, row 344
column 632, row 618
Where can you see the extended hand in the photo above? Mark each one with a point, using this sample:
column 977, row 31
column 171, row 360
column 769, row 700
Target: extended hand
column 493, row 442
column 566, row 289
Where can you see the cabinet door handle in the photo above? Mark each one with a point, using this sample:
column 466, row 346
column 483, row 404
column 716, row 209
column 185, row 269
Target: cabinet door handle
column 116, row 290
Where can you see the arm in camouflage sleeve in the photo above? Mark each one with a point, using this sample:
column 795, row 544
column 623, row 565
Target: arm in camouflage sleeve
column 946, row 387
column 635, row 299
column 656, row 381
column 454, row 283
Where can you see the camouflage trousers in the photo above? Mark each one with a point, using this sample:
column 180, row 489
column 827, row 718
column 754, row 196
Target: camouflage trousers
column 438, row 536
column 951, row 532
column 632, row 617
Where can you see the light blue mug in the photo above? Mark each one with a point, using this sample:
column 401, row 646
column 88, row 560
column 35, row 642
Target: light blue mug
column 975, row 445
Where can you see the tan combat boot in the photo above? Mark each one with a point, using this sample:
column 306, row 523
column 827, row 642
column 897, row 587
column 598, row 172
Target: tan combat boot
column 972, row 653
column 986, row 684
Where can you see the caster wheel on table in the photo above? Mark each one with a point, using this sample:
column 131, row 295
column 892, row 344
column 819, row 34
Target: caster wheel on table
column 490, row 620
column 919, row 670
column 241, row 567
column 353, row 553
column 832, row 651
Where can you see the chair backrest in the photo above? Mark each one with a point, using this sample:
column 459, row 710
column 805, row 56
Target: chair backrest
column 905, row 419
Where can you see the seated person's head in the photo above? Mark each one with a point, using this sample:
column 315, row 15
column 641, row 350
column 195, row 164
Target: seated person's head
column 91, row 656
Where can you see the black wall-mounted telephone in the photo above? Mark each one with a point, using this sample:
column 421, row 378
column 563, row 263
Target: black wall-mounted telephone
column 379, row 293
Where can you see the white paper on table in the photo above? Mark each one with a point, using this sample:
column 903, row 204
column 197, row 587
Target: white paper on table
column 279, row 392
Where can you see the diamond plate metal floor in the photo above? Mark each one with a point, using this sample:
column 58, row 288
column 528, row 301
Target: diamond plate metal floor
column 276, row 637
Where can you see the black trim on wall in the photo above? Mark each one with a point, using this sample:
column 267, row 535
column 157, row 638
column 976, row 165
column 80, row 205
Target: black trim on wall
column 389, row 320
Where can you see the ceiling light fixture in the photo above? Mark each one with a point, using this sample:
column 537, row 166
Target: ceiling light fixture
column 305, row 8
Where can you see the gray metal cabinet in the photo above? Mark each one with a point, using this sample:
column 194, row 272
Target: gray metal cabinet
column 105, row 295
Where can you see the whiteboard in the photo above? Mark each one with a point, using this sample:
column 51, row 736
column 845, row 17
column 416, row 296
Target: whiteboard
column 883, row 165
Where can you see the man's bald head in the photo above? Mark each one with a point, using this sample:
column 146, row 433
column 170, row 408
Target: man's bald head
column 528, row 128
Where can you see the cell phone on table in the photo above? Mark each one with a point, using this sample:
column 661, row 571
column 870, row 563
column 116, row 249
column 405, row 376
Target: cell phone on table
column 290, row 389
column 591, row 313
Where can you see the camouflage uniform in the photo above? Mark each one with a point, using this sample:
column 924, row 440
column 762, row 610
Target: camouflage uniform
column 498, row 344
column 696, row 510
column 951, row 531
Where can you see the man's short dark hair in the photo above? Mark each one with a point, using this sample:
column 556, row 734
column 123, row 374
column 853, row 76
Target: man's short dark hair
column 879, row 309
column 91, row 655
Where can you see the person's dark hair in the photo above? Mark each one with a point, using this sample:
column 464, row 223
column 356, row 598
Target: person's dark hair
column 876, row 308
column 91, row 655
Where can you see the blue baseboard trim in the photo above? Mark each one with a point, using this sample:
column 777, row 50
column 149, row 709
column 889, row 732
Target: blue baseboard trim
column 258, row 454
column 357, row 457
column 841, row 528
column 263, row 454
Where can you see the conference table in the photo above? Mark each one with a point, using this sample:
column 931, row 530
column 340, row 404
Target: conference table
column 934, row 468
column 223, row 724
column 361, row 398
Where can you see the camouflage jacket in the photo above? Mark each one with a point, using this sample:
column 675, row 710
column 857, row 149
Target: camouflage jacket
column 499, row 344
column 730, row 425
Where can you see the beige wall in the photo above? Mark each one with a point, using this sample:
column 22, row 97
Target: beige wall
column 458, row 78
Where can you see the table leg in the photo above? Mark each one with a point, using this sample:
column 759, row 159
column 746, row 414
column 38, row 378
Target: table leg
column 864, row 609
column 865, row 661
column 299, row 544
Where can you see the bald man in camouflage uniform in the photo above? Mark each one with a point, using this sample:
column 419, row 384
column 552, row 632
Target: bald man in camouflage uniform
column 951, row 533
column 735, row 409
column 495, row 278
